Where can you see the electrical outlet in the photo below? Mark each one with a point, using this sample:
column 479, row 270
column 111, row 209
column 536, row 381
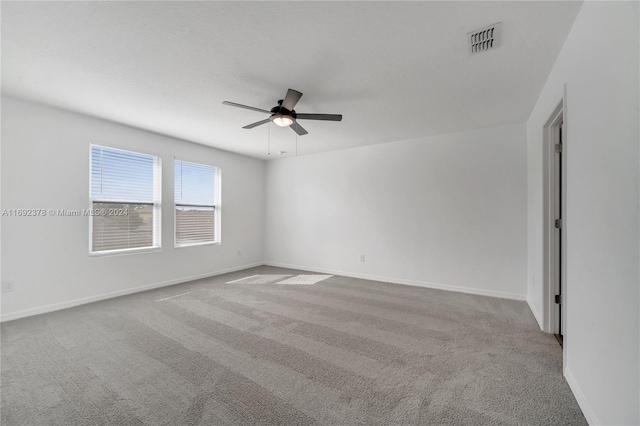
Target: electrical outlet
column 239, row 253
column 8, row 286
column 362, row 258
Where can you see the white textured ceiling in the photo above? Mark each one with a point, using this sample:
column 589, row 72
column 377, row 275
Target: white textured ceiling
column 395, row 70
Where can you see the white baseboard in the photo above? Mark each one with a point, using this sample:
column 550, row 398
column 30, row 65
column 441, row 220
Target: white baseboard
column 535, row 312
column 469, row 290
column 580, row 398
column 84, row 300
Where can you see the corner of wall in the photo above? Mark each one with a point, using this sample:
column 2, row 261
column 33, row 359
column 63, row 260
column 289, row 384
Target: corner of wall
column 534, row 311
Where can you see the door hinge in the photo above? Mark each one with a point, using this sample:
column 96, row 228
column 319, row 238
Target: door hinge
column 558, row 147
column 558, row 223
column 559, row 299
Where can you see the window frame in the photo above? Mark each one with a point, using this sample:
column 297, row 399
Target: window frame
column 217, row 206
column 156, row 203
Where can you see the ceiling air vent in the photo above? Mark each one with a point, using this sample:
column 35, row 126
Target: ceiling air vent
column 484, row 39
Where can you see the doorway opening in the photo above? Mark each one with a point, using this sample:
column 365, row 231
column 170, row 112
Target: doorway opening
column 557, row 130
column 555, row 294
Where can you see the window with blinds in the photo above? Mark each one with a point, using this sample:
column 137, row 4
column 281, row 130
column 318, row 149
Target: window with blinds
column 125, row 200
column 196, row 195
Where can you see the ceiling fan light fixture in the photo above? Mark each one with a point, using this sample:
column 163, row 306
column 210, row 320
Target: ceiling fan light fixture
column 282, row 120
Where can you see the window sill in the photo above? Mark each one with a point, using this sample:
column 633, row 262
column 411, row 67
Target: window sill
column 125, row 252
column 209, row 243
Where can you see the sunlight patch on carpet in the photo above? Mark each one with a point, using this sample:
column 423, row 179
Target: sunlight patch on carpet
column 259, row 279
column 308, row 279
column 305, row 279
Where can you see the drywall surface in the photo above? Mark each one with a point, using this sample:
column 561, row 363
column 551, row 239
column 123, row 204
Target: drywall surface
column 446, row 211
column 45, row 165
column 599, row 65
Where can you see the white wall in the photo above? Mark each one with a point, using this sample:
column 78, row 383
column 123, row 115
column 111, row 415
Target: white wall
column 599, row 64
column 446, row 211
column 45, row 164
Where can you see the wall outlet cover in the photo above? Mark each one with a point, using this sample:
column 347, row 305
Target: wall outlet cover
column 8, row 286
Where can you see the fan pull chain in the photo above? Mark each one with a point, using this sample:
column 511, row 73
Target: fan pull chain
column 296, row 144
column 269, row 139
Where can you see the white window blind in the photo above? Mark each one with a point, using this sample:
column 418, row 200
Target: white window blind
column 196, row 213
column 125, row 198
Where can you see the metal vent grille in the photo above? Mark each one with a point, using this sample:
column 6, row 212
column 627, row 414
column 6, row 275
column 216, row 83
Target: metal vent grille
column 484, row 39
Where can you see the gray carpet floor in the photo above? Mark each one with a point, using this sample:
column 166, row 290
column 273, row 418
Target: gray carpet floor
column 343, row 351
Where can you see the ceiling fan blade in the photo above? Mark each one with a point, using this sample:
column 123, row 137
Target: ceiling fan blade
column 233, row 104
column 257, row 123
column 292, row 98
column 298, row 129
column 327, row 117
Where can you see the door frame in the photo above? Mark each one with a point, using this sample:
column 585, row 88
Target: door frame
column 553, row 253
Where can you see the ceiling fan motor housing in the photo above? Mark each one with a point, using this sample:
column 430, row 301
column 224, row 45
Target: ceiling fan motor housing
column 282, row 111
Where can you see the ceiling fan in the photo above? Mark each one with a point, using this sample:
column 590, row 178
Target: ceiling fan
column 284, row 115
